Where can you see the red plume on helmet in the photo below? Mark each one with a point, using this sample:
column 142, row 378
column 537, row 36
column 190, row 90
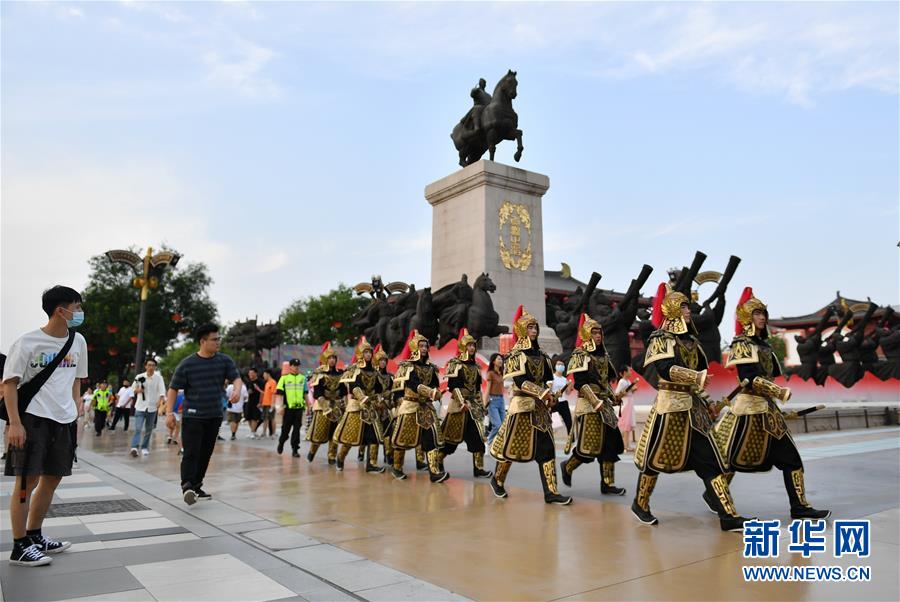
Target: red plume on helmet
column 516, row 317
column 377, row 349
column 657, row 317
column 404, row 353
column 748, row 292
column 578, row 340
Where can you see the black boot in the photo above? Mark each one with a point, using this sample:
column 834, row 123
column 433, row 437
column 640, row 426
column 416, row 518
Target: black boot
column 608, row 476
column 710, row 498
column 548, row 480
column 717, row 490
column 478, row 470
column 567, row 467
column 371, row 465
column 397, row 467
column 640, row 507
column 796, row 490
column 421, row 462
column 499, row 478
column 434, row 467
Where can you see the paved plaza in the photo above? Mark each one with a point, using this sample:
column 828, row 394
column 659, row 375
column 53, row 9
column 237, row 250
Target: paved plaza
column 279, row 528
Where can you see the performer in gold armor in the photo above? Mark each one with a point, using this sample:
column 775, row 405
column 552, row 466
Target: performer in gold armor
column 527, row 433
column 385, row 405
column 360, row 425
column 596, row 433
column 753, row 436
column 465, row 414
column 328, row 393
column 417, row 386
column 676, row 436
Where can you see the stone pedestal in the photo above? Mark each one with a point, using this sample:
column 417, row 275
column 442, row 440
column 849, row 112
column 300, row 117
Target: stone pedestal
column 487, row 218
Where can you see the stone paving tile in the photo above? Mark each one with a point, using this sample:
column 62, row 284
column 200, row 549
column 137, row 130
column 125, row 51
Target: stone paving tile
column 362, row 574
column 218, row 513
column 141, row 524
column 251, row 526
column 64, row 585
column 133, row 595
column 314, row 558
column 71, row 493
column 410, row 590
column 280, row 538
column 300, row 581
column 335, row 531
column 114, row 516
column 147, row 533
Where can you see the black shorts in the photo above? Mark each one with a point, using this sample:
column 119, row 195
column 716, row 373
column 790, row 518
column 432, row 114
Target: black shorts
column 49, row 449
column 234, row 417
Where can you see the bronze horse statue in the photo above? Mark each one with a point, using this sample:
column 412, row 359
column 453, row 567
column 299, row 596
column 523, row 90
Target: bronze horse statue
column 490, row 121
column 482, row 320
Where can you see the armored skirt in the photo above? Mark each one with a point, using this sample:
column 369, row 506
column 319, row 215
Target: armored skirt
column 323, row 426
column 596, row 439
column 356, row 429
column 417, row 428
column 756, row 442
column 679, row 441
column 525, row 436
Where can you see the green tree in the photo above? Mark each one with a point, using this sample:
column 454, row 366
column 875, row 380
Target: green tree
column 778, row 347
column 314, row 320
column 112, row 307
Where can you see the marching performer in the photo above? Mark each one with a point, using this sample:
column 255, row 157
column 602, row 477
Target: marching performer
column 417, row 386
column 676, row 436
column 596, row 433
column 465, row 414
column 328, row 393
column 527, row 432
column 753, row 436
column 360, row 424
column 385, row 404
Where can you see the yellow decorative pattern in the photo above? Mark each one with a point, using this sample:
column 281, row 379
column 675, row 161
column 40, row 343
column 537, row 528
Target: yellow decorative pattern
column 406, row 432
column 319, row 430
column 349, row 429
column 799, row 487
column 671, row 451
column 723, row 433
column 515, row 256
column 659, row 347
column 515, row 440
column 754, row 443
column 720, row 486
column 640, row 452
column 590, row 435
column 453, row 427
column 774, row 423
column 646, row 483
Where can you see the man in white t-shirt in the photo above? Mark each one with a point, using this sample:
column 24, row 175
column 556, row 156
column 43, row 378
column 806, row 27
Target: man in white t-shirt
column 149, row 391
column 235, row 410
column 46, row 425
column 124, row 399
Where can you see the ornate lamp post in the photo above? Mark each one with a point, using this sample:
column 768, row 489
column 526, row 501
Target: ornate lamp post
column 149, row 270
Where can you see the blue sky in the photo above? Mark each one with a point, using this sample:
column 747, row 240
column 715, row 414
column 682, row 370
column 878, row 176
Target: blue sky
column 287, row 145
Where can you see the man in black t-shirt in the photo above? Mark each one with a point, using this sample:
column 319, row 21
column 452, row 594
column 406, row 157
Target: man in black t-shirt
column 201, row 376
column 255, row 386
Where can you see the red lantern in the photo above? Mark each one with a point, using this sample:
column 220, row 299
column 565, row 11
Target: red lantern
column 113, row 351
column 176, row 317
column 337, row 324
column 112, row 329
column 134, row 340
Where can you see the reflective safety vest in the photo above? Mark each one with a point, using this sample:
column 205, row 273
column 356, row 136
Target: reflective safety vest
column 102, row 399
column 291, row 386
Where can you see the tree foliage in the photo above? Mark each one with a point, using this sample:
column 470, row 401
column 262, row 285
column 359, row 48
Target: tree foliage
column 112, row 308
column 328, row 317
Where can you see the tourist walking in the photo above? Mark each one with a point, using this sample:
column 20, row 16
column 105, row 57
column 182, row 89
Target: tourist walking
column 495, row 402
column 124, row 402
column 149, row 391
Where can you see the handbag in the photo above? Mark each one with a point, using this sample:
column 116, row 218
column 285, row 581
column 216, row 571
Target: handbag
column 28, row 390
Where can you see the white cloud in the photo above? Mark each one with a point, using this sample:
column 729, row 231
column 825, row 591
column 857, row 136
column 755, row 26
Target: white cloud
column 239, row 66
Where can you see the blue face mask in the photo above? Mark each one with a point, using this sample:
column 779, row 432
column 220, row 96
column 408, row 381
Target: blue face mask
column 76, row 320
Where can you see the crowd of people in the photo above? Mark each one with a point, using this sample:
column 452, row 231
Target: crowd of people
column 366, row 407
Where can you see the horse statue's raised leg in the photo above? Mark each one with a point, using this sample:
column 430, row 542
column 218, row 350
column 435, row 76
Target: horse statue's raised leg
column 520, row 148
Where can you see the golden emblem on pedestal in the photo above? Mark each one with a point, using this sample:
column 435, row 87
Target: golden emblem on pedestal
column 514, row 256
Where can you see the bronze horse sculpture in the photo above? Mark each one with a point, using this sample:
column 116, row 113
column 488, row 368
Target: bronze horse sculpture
column 490, row 121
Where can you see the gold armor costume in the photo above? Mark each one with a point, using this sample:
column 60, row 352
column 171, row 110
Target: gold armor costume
column 416, row 387
column 596, row 428
column 753, row 436
column 527, row 433
column 676, row 435
column 385, row 404
column 328, row 407
column 360, row 424
column 465, row 414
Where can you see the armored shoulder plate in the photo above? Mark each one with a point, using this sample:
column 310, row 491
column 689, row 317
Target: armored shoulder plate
column 742, row 351
column 578, row 362
column 316, row 376
column 403, row 373
column 515, row 365
column 452, row 368
column 660, row 346
column 350, row 374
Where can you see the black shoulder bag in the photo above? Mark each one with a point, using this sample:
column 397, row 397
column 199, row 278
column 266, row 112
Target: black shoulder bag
column 28, row 390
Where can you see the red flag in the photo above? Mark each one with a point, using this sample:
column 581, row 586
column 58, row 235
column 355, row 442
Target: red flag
column 748, row 292
column 657, row 318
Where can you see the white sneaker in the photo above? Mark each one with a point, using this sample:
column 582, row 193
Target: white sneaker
column 145, row 452
column 134, row 452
